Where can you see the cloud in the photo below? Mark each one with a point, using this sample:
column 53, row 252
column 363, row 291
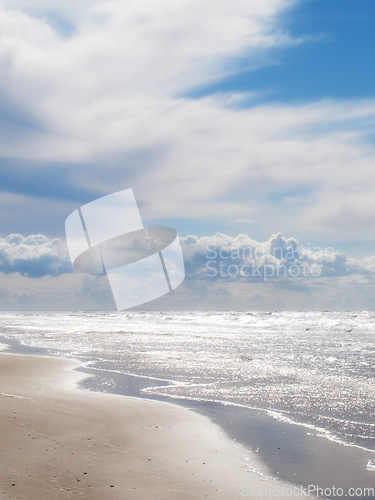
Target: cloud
column 241, row 258
column 70, row 99
column 81, row 292
column 204, row 159
column 104, row 103
column 216, row 257
column 64, row 292
column 120, row 51
column 141, row 46
column 94, row 99
column 33, row 256
column 35, row 273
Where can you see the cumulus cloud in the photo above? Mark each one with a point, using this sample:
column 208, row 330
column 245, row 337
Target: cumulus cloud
column 206, row 258
column 278, row 273
column 33, row 256
column 242, row 258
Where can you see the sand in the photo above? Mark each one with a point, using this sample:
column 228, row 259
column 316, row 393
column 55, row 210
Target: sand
column 57, row 442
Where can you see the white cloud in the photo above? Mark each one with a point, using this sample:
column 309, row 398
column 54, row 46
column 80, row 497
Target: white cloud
column 35, row 273
column 37, row 255
column 241, row 258
column 121, row 49
column 106, row 95
column 33, row 256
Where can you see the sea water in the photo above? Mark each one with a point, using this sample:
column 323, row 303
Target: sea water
column 314, row 369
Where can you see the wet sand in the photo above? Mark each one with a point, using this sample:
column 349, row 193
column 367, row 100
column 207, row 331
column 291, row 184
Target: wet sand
column 57, row 442
column 291, row 452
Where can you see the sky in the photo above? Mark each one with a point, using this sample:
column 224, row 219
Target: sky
column 240, row 124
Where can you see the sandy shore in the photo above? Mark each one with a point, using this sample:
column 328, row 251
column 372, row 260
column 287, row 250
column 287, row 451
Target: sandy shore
column 58, row 442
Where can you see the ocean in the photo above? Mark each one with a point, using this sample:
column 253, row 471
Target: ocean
column 313, row 369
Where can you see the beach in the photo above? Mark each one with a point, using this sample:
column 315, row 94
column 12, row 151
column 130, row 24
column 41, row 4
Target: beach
column 58, row 441
column 221, row 404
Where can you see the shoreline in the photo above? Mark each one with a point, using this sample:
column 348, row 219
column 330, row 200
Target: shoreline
column 58, row 441
column 289, row 453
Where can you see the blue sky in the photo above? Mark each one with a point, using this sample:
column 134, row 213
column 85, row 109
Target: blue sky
column 244, row 117
column 336, row 61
